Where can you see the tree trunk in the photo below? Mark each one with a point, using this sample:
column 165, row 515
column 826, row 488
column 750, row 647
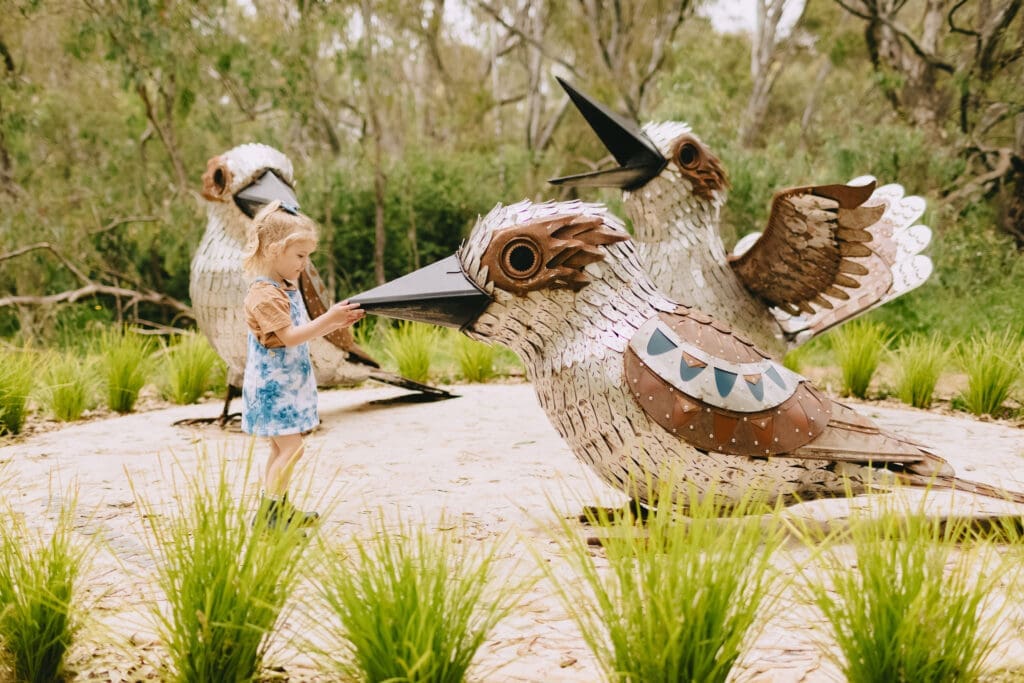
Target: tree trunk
column 376, row 139
column 1012, row 218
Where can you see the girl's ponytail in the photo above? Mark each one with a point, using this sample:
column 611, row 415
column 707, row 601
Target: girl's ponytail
column 253, row 256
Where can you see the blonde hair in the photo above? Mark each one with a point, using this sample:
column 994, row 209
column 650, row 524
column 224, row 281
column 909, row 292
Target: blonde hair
column 272, row 230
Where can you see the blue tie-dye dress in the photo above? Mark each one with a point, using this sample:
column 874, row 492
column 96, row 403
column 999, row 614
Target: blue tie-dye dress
column 279, row 388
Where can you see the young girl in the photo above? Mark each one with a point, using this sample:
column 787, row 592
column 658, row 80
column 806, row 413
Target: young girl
column 279, row 389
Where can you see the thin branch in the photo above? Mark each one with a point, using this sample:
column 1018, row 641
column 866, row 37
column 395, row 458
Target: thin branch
column 118, row 222
column 529, row 39
column 1003, row 166
column 951, row 21
column 93, row 289
column 53, row 250
column 861, row 15
column 898, row 29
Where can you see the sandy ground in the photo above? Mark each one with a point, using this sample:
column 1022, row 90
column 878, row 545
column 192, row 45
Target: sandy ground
column 488, row 461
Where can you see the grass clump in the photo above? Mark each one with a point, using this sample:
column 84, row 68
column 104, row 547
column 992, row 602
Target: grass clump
column 412, row 346
column 858, row 348
column 225, row 578
column 476, row 359
column 992, row 362
column 413, row 606
column 188, row 369
column 679, row 603
column 17, row 379
column 38, row 599
column 908, row 605
column 125, row 363
column 920, row 361
column 68, row 386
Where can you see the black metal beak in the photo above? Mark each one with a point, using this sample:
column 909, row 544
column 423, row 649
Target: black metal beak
column 639, row 160
column 439, row 294
column 267, row 188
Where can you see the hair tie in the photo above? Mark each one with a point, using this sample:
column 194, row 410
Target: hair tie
column 290, row 208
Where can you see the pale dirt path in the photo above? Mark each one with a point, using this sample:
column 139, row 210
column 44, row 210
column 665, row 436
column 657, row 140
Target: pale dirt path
column 489, row 460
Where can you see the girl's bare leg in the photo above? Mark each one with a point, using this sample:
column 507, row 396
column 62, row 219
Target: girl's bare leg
column 272, row 457
column 289, row 448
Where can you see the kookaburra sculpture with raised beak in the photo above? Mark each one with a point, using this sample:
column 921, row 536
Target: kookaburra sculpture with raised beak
column 828, row 253
column 236, row 185
column 643, row 389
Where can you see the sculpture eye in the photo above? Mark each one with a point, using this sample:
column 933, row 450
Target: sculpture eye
column 520, row 258
column 688, row 155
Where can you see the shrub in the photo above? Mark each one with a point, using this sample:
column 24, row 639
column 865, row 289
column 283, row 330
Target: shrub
column 225, row 578
column 910, row 608
column 125, row 362
column 413, row 606
column 919, row 361
column 858, row 348
column 38, row 599
column 476, row 359
column 412, row 345
column 678, row 604
column 188, row 369
column 17, row 378
column 68, row 386
column 992, row 362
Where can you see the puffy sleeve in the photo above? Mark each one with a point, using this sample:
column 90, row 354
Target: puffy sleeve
column 267, row 310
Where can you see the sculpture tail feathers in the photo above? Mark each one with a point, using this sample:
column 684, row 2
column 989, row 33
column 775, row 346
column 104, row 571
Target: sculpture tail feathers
column 425, row 392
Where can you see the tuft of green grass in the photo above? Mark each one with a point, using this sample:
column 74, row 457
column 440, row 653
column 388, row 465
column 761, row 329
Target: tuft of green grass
column 992, row 362
column 476, row 359
column 679, row 602
column 413, row 605
column 188, row 369
column 125, row 364
column 908, row 605
column 17, row 379
column 920, row 361
column 38, row 597
column 858, row 348
column 226, row 578
column 68, row 386
column 412, row 346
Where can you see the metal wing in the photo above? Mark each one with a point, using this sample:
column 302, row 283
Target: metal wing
column 805, row 252
column 317, row 299
column 701, row 382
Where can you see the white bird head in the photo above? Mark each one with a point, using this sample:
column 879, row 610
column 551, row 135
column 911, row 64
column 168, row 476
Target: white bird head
column 663, row 168
column 523, row 265
column 239, row 182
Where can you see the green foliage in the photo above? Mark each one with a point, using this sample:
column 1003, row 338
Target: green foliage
column 992, row 362
column 225, row 578
column 68, row 386
column 476, row 360
column 678, row 603
column 858, row 347
column 38, row 597
column 411, row 345
column 17, row 379
column 125, row 365
column 189, row 366
column 910, row 607
column 920, row 361
column 413, row 605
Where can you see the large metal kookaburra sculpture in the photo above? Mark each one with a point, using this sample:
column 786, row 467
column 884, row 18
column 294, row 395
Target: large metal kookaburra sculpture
column 639, row 385
column 828, row 253
column 236, row 185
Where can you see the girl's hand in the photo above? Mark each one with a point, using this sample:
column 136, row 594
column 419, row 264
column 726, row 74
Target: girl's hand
column 343, row 314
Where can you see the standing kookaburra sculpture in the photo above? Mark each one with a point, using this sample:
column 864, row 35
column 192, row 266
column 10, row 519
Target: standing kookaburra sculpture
column 235, row 186
column 829, row 252
column 638, row 385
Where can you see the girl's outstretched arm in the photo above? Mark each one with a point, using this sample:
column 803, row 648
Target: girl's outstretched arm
column 340, row 314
